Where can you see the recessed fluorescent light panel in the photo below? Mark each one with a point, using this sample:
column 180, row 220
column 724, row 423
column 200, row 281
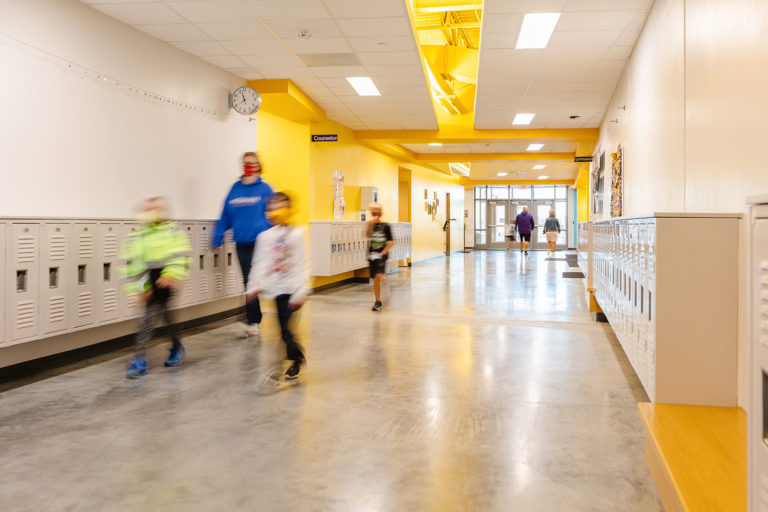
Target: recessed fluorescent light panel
column 363, row 85
column 502, row 174
column 436, row 144
column 536, row 30
column 537, row 167
column 523, row 118
column 543, row 177
column 535, row 147
column 459, row 168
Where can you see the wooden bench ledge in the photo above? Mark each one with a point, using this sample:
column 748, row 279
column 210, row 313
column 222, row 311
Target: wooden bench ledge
column 697, row 456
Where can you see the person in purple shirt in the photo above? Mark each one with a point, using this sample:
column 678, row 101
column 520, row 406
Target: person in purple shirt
column 525, row 225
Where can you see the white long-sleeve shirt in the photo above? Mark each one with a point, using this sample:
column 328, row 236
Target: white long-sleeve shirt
column 280, row 264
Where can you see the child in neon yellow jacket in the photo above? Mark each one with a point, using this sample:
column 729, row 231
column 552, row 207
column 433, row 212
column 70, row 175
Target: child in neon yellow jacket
column 156, row 259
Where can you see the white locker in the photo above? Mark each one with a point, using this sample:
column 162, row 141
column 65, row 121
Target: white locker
column 109, row 258
column 204, row 262
column 54, row 277
column 218, row 265
column 4, row 264
column 86, row 274
column 23, row 275
column 130, row 306
column 231, row 267
column 187, row 295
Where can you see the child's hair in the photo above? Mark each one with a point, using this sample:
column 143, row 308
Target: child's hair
column 279, row 197
column 250, row 153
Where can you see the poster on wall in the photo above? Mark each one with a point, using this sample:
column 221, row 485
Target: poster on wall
column 338, row 195
column 598, row 183
column 617, row 183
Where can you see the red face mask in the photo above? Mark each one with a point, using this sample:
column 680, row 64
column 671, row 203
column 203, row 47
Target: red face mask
column 251, row 169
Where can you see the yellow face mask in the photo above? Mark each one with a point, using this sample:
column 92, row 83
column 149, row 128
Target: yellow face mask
column 279, row 215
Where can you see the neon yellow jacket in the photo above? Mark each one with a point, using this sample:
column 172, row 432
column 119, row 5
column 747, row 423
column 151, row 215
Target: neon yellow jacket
column 162, row 246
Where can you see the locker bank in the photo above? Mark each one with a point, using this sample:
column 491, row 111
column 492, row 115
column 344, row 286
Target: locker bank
column 622, row 371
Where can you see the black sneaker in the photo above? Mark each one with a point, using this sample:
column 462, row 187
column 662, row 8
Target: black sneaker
column 377, row 306
column 293, row 371
column 526, row 253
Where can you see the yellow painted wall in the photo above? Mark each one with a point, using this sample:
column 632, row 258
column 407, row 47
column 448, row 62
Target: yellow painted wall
column 582, row 197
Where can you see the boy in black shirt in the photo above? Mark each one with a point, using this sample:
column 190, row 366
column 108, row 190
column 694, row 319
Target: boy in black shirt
column 380, row 241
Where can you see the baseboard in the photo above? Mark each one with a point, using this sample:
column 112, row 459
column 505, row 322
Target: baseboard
column 54, row 361
column 350, row 280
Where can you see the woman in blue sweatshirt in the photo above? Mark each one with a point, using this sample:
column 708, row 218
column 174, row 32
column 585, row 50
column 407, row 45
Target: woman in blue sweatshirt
column 244, row 213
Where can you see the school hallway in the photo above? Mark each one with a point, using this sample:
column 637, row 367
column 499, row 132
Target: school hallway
column 483, row 385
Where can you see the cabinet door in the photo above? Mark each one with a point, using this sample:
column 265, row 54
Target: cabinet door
column 130, row 306
column 23, row 275
column 55, row 273
column 85, row 277
column 109, row 253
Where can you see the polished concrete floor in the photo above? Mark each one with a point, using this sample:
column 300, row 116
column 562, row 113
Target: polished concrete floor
column 482, row 386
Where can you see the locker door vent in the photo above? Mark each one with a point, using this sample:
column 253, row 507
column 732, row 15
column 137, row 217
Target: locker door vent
column 58, row 248
column 188, row 290
column 56, row 309
column 110, row 245
column 27, row 249
column 203, row 284
column 110, row 300
column 25, row 314
column 218, row 283
column 204, row 241
column 85, row 304
column 86, row 247
column 231, row 282
column 764, row 493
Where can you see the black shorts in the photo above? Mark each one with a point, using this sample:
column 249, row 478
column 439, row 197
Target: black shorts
column 525, row 237
column 511, row 238
column 378, row 266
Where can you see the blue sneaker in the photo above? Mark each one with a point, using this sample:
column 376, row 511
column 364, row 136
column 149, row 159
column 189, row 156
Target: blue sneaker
column 137, row 368
column 176, row 357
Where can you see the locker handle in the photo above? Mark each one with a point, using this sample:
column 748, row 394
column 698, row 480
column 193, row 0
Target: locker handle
column 53, row 277
column 21, row 280
column 81, row 274
column 107, row 272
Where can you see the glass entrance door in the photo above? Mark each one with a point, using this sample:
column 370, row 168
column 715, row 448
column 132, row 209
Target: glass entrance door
column 497, row 224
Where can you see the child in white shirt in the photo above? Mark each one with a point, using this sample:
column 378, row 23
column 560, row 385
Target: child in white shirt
column 279, row 270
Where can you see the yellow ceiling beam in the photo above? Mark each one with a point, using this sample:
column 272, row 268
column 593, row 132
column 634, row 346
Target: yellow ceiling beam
column 425, row 6
column 476, row 157
column 283, row 98
column 468, row 183
column 466, row 135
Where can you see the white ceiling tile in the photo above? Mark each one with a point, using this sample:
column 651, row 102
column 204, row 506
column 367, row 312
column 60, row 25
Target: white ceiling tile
column 585, row 38
column 405, row 81
column 311, row 83
column 138, row 14
column 383, row 44
column 507, row 23
column 285, row 72
column 602, row 20
column 369, row 27
column 388, row 58
column 235, row 30
column 226, row 61
column 498, row 40
column 339, row 71
column 602, row 5
column 271, row 61
column 209, row 11
column 246, row 73
column 610, row 65
column 627, row 38
column 337, row 83
column 174, row 32
column 289, row 28
column 256, row 47
column 202, row 48
column 288, row 9
column 365, row 9
column 317, row 45
column 618, row 52
column 401, row 70
column 511, row 6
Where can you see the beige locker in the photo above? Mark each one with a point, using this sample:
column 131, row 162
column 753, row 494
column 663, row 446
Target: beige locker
column 85, row 277
column 187, row 295
column 231, row 267
column 23, row 276
column 130, row 306
column 204, row 262
column 109, row 258
column 218, row 264
column 54, row 277
column 3, row 262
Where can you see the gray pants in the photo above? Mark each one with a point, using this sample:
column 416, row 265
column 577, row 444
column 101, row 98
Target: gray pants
column 156, row 307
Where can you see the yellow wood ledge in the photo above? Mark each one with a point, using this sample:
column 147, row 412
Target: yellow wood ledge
column 697, row 456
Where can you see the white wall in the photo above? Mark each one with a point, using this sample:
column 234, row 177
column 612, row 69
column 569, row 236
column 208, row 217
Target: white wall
column 74, row 145
column 469, row 205
column 693, row 128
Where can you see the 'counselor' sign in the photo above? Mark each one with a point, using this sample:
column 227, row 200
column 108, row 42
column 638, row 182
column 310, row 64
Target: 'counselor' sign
column 325, row 138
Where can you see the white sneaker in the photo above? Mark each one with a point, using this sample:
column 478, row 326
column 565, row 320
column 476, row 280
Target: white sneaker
column 241, row 329
column 252, row 329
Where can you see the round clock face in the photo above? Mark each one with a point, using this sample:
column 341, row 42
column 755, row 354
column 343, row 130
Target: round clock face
column 245, row 100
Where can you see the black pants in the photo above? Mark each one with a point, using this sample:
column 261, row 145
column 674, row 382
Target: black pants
column 157, row 305
column 245, row 256
column 284, row 313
